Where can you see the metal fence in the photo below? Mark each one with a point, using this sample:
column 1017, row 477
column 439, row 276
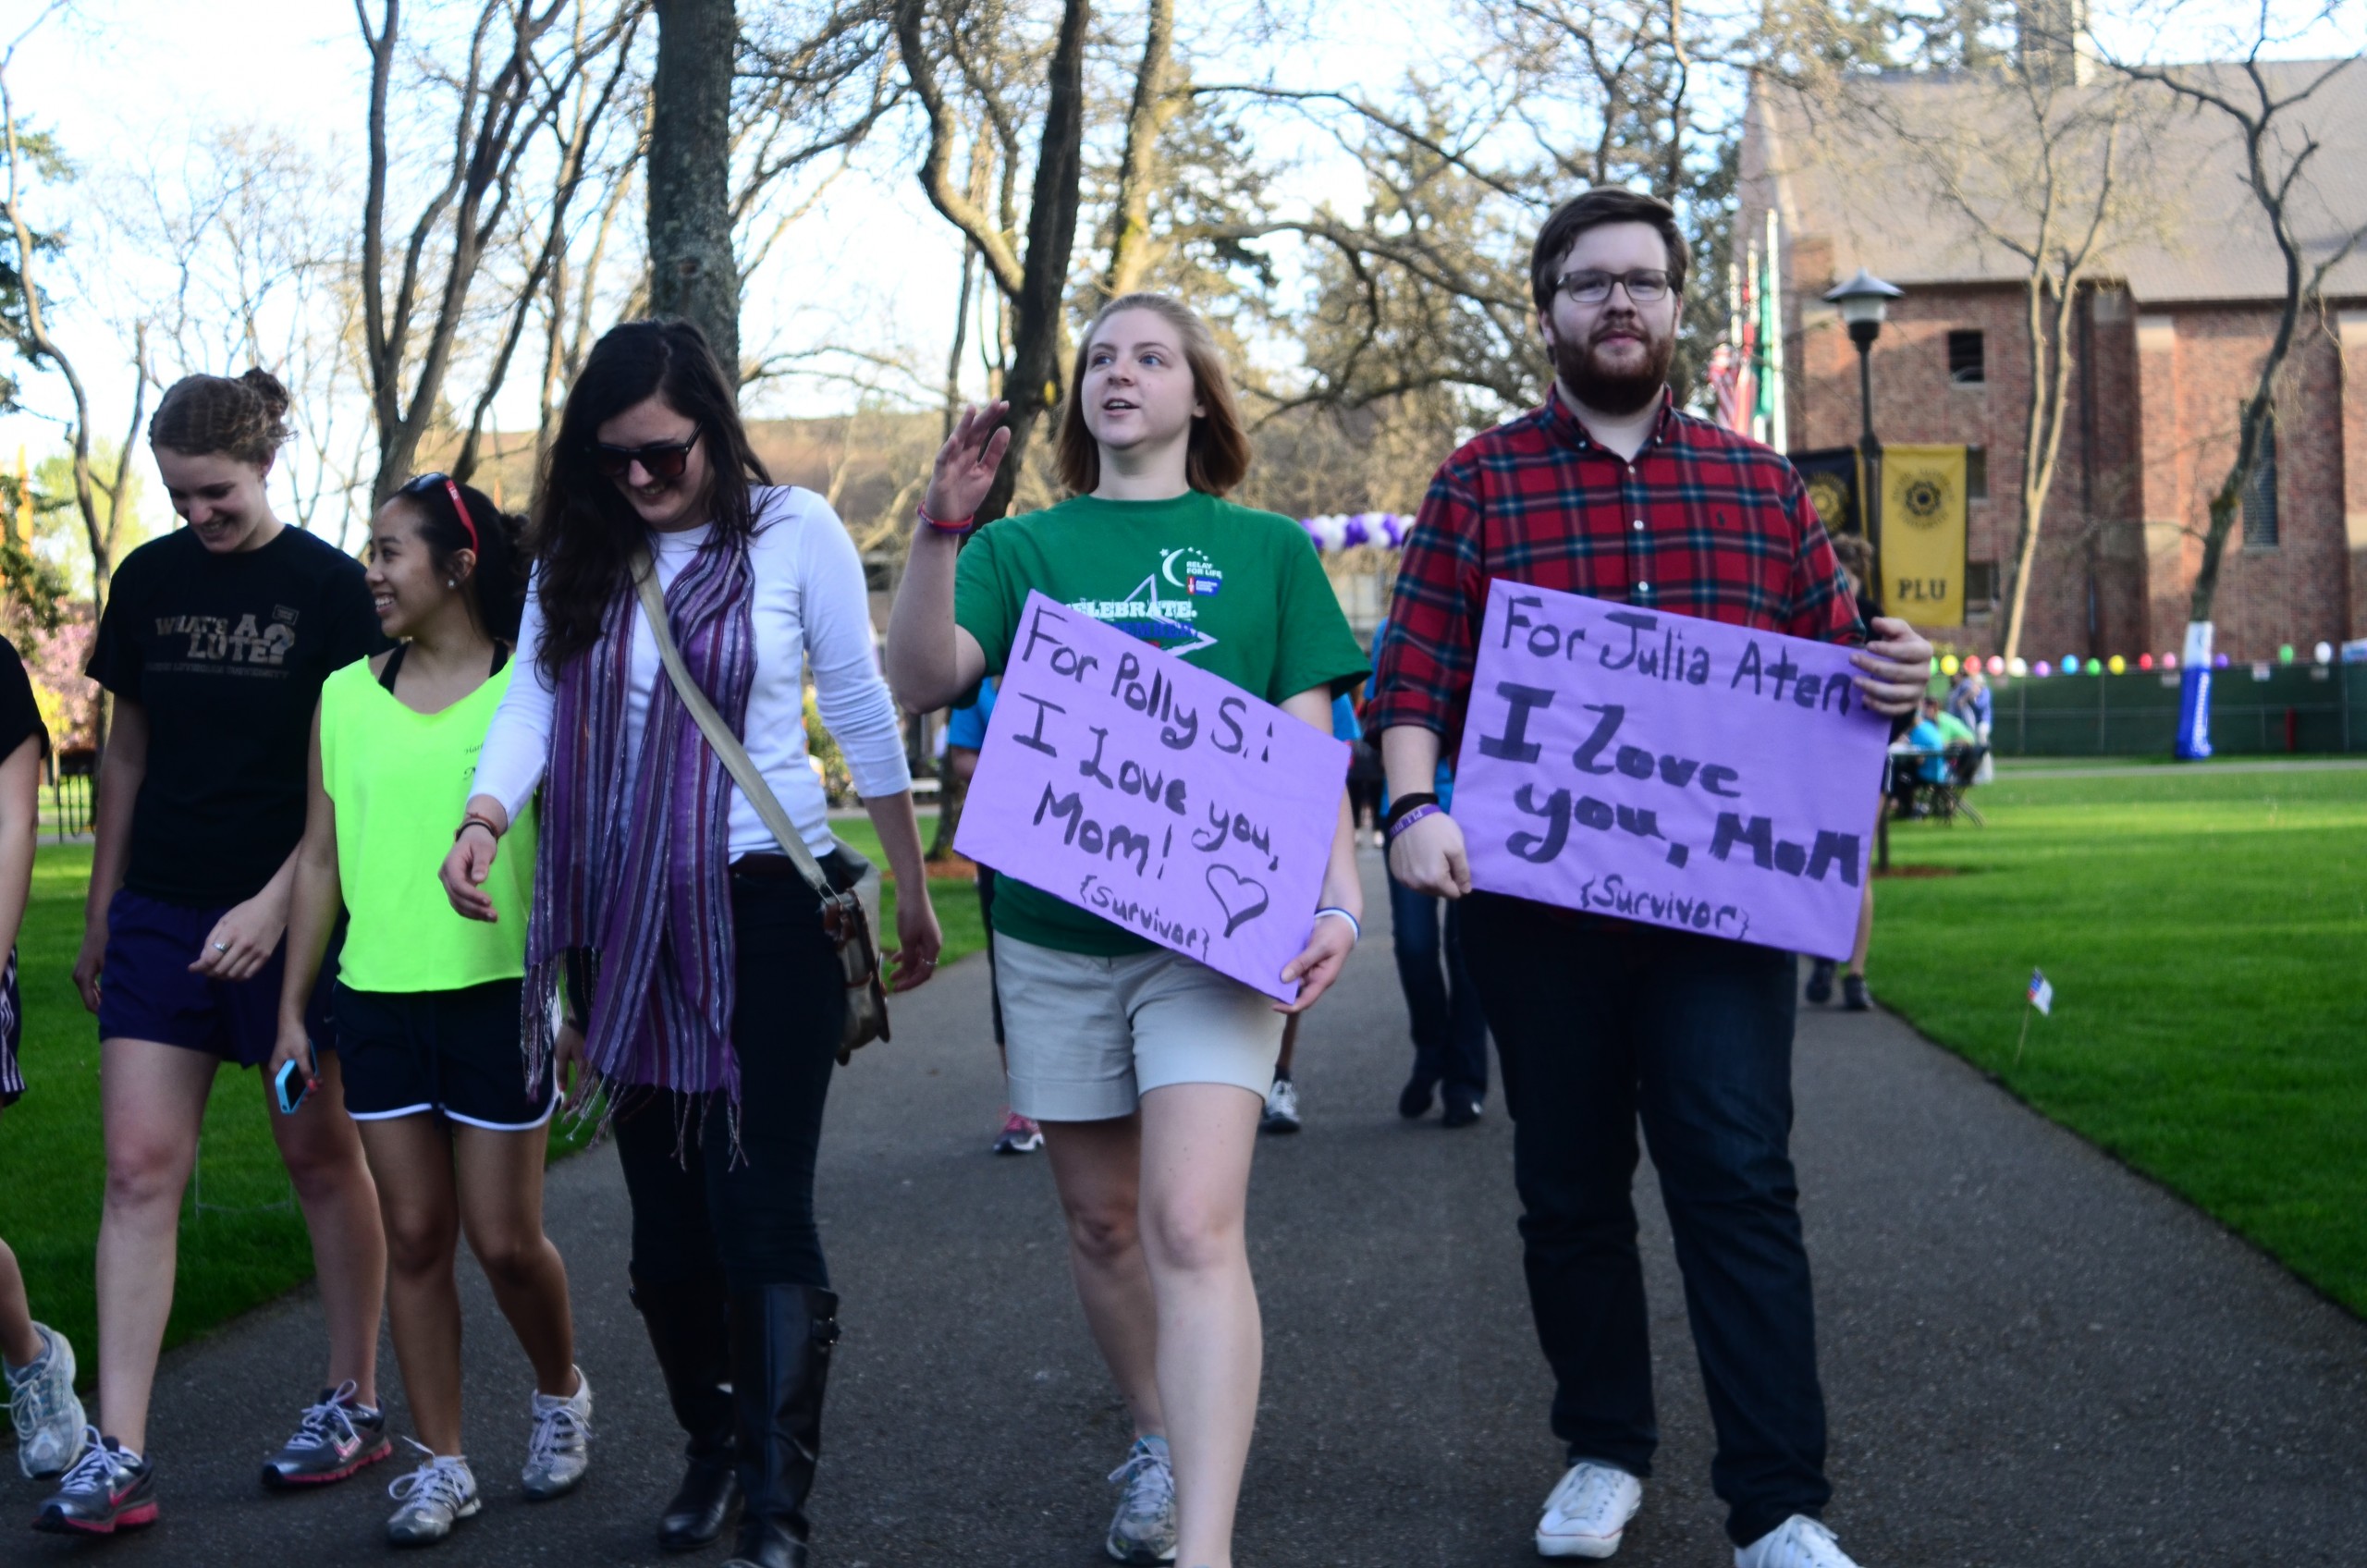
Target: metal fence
column 2255, row 708
column 73, row 774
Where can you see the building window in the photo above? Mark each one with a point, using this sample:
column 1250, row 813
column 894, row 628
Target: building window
column 1979, row 583
column 2260, row 495
column 1976, row 473
column 1967, row 364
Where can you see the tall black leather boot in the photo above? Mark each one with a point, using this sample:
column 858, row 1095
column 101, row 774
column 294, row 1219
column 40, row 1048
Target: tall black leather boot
column 689, row 1328
column 781, row 1337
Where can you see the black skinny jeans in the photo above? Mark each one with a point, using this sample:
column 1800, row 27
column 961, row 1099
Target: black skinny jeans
column 1598, row 1026
column 754, row 1216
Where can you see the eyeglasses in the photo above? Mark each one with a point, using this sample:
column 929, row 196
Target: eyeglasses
column 1645, row 285
column 427, row 484
column 660, row 460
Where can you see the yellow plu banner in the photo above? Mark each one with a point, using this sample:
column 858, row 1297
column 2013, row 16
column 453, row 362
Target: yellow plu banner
column 1923, row 543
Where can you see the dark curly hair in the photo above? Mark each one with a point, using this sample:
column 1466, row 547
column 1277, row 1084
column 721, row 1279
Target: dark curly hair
column 243, row 417
column 583, row 533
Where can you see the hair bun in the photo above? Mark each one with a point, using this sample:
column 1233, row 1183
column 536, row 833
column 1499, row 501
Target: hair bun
column 267, row 387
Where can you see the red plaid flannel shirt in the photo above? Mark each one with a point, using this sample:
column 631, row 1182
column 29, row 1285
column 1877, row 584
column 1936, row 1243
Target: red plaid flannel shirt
column 1704, row 523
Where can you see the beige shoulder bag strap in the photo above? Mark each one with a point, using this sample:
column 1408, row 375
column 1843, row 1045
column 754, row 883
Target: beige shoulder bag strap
column 844, row 916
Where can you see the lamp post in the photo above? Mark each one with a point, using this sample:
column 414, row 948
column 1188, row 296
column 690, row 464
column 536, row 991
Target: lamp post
column 1863, row 301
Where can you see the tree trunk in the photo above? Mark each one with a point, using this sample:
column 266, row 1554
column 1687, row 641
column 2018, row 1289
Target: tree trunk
column 1034, row 386
column 1130, row 247
column 691, row 273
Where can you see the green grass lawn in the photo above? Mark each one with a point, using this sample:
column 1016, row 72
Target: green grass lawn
column 2207, row 938
column 247, row 1243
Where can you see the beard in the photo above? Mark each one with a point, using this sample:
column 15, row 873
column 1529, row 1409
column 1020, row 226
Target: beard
column 1582, row 370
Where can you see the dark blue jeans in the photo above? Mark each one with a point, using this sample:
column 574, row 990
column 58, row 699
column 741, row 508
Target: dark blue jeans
column 702, row 1201
column 1601, row 1025
column 1449, row 1029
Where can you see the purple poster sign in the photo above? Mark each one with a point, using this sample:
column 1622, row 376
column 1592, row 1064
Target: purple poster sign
column 1155, row 795
column 1670, row 770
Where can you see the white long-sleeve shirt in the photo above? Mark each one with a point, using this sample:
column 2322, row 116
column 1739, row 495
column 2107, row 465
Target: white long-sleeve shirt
column 810, row 606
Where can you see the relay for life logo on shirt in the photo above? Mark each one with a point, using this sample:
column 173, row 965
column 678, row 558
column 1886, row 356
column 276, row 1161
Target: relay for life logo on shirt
column 1147, row 615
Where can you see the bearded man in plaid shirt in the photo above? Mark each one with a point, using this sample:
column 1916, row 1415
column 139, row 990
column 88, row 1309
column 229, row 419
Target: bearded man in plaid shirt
column 1609, row 490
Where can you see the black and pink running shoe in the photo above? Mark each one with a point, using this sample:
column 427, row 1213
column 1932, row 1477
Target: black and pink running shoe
column 335, row 1438
column 105, row 1491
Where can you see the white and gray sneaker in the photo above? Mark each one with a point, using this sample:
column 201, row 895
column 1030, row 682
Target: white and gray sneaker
column 433, row 1498
column 1588, row 1511
column 1798, row 1542
column 1144, row 1529
column 41, row 1403
column 560, row 1450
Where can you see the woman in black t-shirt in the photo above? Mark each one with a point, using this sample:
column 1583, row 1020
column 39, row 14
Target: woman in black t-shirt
column 215, row 641
column 37, row 1361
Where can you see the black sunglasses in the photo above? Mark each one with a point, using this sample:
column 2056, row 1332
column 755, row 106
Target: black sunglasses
column 662, row 459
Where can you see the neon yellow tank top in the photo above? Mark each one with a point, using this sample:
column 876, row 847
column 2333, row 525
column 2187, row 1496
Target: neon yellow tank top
column 399, row 781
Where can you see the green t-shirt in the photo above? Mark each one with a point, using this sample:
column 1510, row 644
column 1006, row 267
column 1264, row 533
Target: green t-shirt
column 1238, row 592
column 399, row 781
column 1954, row 731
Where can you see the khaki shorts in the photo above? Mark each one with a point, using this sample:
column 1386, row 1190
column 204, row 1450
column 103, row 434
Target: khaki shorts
column 1087, row 1037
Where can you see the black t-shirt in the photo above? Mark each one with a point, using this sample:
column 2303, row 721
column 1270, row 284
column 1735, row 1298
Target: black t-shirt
column 226, row 654
column 19, row 715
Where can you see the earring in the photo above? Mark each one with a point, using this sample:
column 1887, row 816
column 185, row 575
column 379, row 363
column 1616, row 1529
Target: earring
column 451, row 583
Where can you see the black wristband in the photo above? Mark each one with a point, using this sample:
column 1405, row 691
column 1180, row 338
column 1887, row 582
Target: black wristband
column 1403, row 804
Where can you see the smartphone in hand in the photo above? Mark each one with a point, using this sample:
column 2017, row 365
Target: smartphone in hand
column 293, row 1084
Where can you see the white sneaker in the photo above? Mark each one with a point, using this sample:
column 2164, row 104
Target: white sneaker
column 1589, row 1511
column 1798, row 1542
column 41, row 1403
column 433, row 1498
column 1281, row 1108
column 560, row 1450
column 1144, row 1529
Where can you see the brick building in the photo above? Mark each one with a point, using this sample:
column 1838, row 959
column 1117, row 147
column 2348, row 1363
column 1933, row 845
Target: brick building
column 2167, row 342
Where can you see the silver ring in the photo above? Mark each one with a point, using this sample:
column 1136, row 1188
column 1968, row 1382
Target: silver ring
column 221, row 947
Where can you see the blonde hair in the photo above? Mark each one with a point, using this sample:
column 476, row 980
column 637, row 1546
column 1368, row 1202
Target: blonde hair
column 1218, row 457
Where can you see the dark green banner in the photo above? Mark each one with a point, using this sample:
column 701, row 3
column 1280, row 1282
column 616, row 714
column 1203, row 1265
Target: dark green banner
column 1831, row 475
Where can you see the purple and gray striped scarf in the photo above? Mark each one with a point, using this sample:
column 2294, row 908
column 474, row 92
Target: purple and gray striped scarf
column 634, row 858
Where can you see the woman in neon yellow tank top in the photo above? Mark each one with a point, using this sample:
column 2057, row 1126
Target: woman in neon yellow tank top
column 427, row 1003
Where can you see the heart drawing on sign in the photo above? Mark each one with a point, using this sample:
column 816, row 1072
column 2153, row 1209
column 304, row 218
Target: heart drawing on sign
column 1241, row 899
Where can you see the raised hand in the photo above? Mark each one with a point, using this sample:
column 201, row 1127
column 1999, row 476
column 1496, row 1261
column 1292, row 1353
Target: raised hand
column 967, row 464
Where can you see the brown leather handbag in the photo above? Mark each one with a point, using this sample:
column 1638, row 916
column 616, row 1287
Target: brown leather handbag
column 846, row 916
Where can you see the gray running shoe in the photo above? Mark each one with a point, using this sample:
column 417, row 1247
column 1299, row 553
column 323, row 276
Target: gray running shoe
column 336, row 1437
column 560, row 1450
column 433, row 1498
column 1144, row 1529
column 41, row 1403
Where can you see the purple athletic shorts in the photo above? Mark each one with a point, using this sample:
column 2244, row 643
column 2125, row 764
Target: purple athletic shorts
column 146, row 991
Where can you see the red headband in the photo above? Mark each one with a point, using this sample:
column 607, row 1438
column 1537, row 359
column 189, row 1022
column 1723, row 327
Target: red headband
column 476, row 545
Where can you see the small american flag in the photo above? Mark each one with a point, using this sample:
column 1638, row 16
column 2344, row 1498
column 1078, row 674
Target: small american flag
column 2042, row 993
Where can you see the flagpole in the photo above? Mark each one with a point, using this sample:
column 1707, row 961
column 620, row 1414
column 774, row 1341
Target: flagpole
column 2027, row 1009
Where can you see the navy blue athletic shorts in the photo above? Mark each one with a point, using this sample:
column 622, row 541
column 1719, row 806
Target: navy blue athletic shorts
column 146, row 991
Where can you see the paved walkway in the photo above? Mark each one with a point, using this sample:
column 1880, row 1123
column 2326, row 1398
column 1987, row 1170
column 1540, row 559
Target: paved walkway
column 2033, row 1355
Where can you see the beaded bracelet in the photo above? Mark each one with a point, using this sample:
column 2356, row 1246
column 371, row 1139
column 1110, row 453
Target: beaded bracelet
column 1398, row 827
column 957, row 527
column 1353, row 925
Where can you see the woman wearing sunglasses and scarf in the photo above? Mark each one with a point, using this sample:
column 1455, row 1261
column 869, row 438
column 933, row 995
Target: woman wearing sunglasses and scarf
column 427, row 1003
column 699, row 986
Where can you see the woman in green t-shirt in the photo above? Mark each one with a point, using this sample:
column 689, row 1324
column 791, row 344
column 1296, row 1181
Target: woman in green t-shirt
column 1147, row 1070
column 427, row 1003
